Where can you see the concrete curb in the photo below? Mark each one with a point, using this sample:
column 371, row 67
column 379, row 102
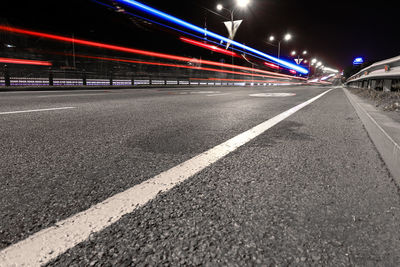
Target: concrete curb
column 384, row 132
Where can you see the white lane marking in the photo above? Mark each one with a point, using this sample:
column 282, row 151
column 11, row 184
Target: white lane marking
column 219, row 94
column 34, row 110
column 49, row 243
column 199, row 92
column 273, row 94
column 45, row 96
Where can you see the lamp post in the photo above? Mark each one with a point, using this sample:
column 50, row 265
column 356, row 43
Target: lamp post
column 286, row 38
column 232, row 31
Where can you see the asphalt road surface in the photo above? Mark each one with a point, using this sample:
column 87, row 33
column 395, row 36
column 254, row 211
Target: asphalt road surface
column 310, row 190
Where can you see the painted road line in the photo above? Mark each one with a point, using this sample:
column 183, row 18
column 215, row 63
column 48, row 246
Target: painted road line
column 272, row 94
column 46, row 96
column 49, row 243
column 34, row 110
column 199, row 92
column 219, row 94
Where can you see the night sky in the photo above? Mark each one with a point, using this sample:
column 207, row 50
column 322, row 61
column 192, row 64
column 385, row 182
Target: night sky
column 333, row 31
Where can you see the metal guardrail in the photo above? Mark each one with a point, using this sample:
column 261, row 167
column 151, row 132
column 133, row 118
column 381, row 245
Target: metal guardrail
column 65, row 82
column 59, row 78
column 381, row 76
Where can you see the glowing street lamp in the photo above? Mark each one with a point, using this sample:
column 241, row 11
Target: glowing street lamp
column 287, row 37
column 293, row 53
column 233, row 25
column 239, row 4
column 242, row 3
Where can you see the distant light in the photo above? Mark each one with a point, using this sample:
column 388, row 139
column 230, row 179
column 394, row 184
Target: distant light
column 219, row 7
column 326, row 69
column 9, row 45
column 305, row 52
column 314, row 61
column 327, row 77
column 272, row 38
column 242, row 3
column 358, row 61
column 293, row 53
column 293, row 72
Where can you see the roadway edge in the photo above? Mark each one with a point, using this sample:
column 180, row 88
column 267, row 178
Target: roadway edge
column 385, row 141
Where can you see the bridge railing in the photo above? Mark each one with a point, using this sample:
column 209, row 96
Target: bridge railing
column 381, row 76
column 16, row 76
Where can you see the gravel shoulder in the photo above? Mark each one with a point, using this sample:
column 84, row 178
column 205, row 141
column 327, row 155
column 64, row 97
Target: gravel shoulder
column 389, row 102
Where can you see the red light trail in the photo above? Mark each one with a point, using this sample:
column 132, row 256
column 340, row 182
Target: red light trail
column 174, row 66
column 136, row 51
column 271, row 65
column 24, row 61
column 247, row 80
column 208, row 46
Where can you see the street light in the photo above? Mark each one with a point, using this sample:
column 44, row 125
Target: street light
column 304, row 53
column 287, row 37
column 300, row 60
column 239, row 3
column 233, row 27
column 242, row 3
column 313, row 61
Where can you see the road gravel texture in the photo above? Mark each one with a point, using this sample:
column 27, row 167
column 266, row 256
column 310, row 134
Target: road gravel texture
column 56, row 164
column 311, row 191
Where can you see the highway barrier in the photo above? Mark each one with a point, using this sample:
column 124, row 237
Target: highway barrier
column 381, row 76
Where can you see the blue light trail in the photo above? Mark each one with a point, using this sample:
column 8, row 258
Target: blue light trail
column 187, row 25
column 181, row 31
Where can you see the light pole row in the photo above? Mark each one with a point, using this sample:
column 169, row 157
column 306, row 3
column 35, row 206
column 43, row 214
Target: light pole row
column 272, row 39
